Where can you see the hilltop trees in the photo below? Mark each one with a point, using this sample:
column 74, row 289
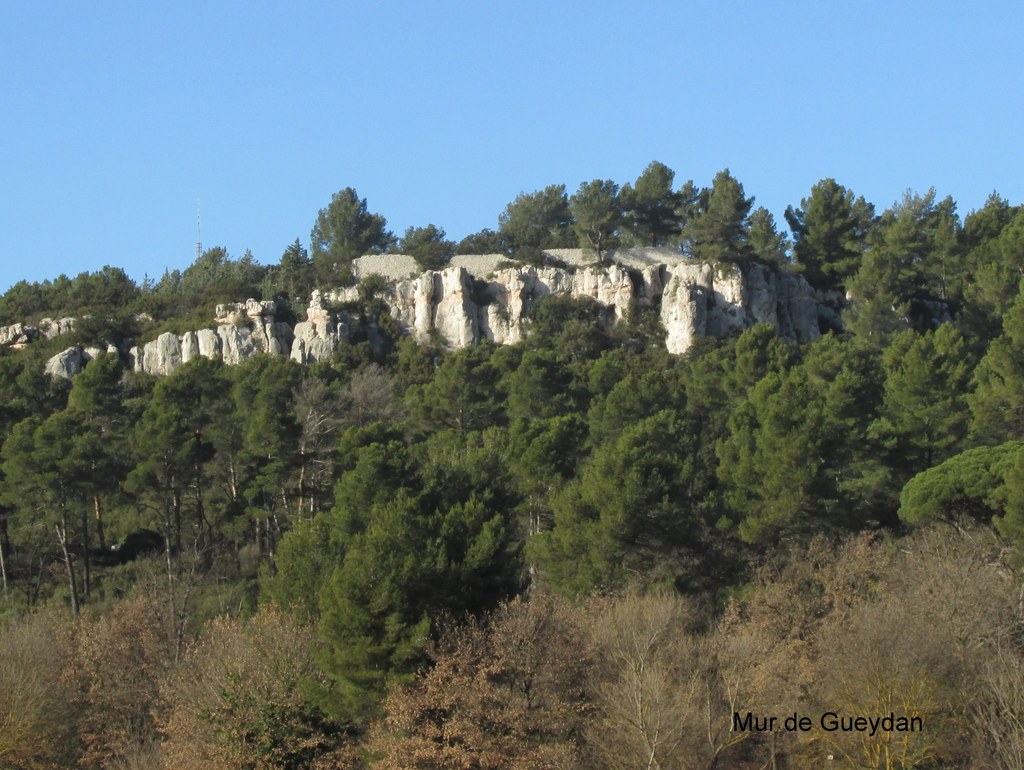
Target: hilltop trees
column 428, row 246
column 597, row 213
column 650, row 206
column 296, row 275
column 829, row 233
column 719, row 230
column 535, row 221
column 344, row 230
column 891, row 287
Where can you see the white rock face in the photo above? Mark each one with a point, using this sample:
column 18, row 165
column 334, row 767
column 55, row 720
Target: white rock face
column 209, row 343
column 698, row 300
column 727, row 312
column 464, row 306
column 51, row 328
column 236, row 343
column 20, row 334
column 238, row 312
column 189, row 347
column 91, row 352
column 65, row 364
column 272, row 337
column 456, row 314
column 684, row 306
column 162, row 355
column 16, row 334
column 316, row 338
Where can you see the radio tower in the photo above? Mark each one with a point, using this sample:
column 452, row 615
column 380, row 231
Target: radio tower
column 199, row 234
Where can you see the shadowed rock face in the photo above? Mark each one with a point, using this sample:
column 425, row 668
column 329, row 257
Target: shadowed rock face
column 465, row 305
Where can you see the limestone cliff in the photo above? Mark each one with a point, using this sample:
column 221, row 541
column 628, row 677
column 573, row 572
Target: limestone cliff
column 469, row 302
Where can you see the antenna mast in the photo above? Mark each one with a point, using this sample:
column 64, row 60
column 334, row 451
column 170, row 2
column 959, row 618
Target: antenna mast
column 199, row 234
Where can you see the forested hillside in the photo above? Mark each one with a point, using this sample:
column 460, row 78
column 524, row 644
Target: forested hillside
column 576, row 551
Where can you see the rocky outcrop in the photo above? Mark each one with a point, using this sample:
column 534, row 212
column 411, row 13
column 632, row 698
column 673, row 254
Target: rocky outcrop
column 70, row 361
column 316, row 338
column 51, row 327
column 696, row 300
column 19, row 334
column 242, row 312
column 65, row 364
column 699, row 300
column 161, row 356
column 461, row 306
column 16, row 335
column 244, row 329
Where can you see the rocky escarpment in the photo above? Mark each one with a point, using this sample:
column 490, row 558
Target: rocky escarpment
column 243, row 329
column 462, row 306
column 695, row 300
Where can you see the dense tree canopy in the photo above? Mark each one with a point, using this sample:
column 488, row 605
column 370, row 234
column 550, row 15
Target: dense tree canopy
column 348, row 563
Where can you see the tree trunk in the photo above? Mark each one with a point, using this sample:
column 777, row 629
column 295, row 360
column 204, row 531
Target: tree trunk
column 87, row 564
column 176, row 506
column 302, row 485
column 5, row 547
column 99, row 522
column 3, row 567
column 62, row 538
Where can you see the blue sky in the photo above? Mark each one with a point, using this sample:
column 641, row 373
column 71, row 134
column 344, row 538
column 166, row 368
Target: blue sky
column 116, row 117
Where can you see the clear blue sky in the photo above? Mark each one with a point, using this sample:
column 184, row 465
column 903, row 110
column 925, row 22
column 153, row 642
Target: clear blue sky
column 116, row 117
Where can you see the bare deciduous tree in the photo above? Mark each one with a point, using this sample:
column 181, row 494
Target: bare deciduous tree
column 508, row 695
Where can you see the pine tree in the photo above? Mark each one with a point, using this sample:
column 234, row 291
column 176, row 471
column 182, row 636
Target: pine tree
column 997, row 404
column 924, row 416
column 719, row 232
column 597, row 214
column 651, row 207
column 829, row 233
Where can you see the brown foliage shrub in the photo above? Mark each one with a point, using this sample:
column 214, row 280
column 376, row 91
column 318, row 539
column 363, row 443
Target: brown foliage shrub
column 237, row 701
column 117, row 662
column 36, row 713
column 505, row 695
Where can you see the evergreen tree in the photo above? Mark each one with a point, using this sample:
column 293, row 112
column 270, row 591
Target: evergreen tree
column 924, row 415
column 542, row 387
column 997, row 404
column 627, row 513
column 296, row 276
column 767, row 244
column 651, row 207
column 967, row 487
column 344, row 231
column 96, row 400
column 597, row 215
column 174, row 447
column 997, row 263
column 794, row 458
column 829, row 233
column 269, row 446
column 428, row 246
column 484, row 242
column 464, row 394
column 719, row 232
column 537, row 221
column 894, row 271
